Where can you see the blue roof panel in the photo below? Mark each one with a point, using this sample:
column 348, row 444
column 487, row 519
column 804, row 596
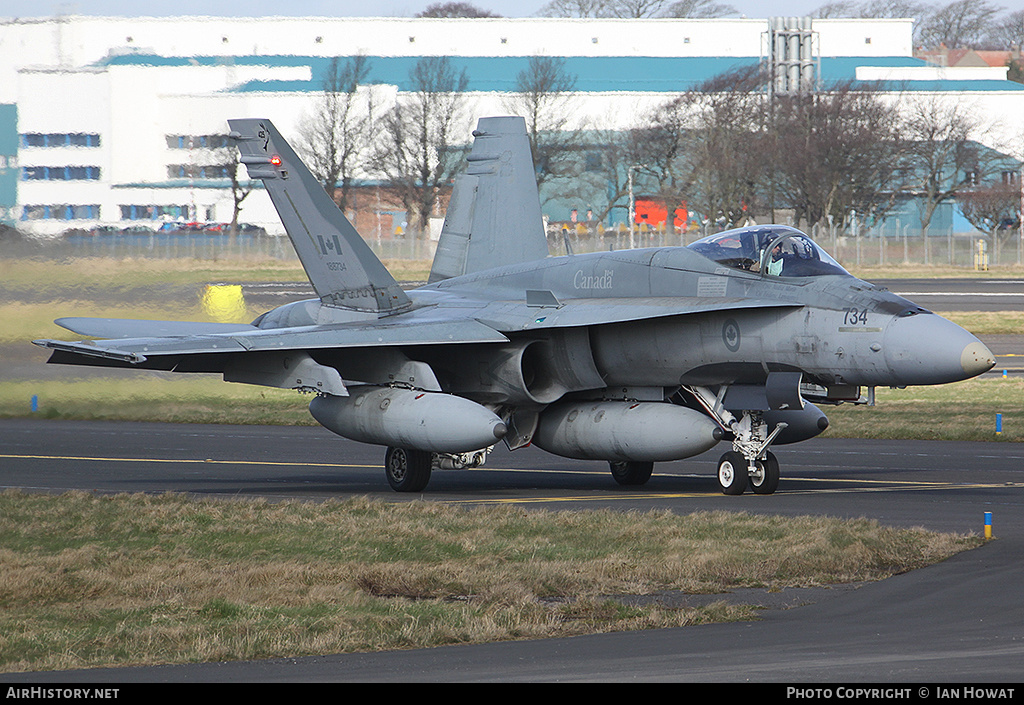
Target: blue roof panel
column 644, row 74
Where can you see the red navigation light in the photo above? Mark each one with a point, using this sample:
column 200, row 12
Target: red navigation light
column 275, row 160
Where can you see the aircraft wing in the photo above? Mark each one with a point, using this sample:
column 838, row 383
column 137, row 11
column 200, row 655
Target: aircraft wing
column 133, row 342
column 546, row 311
column 332, row 336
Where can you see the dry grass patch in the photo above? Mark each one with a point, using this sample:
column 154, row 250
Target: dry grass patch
column 90, row 581
column 988, row 322
column 964, row 411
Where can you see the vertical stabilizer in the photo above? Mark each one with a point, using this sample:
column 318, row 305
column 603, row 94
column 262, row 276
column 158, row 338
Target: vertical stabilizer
column 494, row 216
column 340, row 265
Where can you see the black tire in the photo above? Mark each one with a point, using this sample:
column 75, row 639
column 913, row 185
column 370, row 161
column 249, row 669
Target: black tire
column 766, row 479
column 732, row 473
column 631, row 473
column 407, row 470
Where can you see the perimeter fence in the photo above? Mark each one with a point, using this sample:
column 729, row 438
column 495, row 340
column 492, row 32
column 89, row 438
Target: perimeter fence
column 886, row 247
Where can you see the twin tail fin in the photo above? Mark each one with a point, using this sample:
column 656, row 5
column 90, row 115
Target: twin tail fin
column 344, row 271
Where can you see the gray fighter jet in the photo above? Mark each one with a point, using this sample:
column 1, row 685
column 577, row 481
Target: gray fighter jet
column 629, row 357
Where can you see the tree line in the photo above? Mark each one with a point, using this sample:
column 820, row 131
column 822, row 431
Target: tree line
column 976, row 24
column 728, row 149
column 847, row 154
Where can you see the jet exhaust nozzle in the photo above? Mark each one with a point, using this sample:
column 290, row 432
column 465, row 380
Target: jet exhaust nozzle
column 626, row 431
column 407, row 418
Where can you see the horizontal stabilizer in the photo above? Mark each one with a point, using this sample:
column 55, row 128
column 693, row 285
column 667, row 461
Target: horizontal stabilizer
column 135, row 328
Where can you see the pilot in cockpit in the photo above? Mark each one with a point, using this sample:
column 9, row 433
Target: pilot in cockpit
column 775, row 261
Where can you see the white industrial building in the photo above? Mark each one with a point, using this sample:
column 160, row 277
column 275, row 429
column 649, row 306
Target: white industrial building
column 110, row 121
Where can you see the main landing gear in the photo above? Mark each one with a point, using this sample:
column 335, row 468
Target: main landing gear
column 631, row 473
column 409, row 470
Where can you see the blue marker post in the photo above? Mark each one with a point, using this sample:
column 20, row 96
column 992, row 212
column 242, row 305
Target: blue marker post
column 35, row 403
column 988, row 525
column 999, row 424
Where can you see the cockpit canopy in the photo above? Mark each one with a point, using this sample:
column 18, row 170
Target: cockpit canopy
column 777, row 250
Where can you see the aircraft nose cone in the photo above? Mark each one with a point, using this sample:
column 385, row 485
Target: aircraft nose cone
column 928, row 349
column 976, row 358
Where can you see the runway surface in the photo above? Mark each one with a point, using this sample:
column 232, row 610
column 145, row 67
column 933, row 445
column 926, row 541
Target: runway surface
column 961, row 621
column 965, row 294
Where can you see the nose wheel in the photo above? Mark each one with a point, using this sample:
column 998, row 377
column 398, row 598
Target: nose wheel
column 765, row 477
column 732, row 473
column 735, row 474
column 749, row 462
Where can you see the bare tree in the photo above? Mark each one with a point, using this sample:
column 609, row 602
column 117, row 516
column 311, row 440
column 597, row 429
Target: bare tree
column 835, row 151
column 873, row 8
column 454, row 9
column 943, row 156
column 895, row 8
column 706, row 147
column 336, row 138
column 699, row 9
column 1007, row 32
column 544, row 97
column 417, row 154
column 993, row 209
column 840, row 8
column 229, row 161
column 600, row 176
column 637, row 9
column 963, row 23
column 576, row 8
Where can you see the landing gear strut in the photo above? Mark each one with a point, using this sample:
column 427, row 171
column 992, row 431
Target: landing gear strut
column 749, row 462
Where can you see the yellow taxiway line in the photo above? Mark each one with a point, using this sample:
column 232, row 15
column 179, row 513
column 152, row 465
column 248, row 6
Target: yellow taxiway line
column 853, row 486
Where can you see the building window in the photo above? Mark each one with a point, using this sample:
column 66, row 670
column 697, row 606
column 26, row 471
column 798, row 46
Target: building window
column 154, row 212
column 61, row 212
column 1010, row 177
column 60, row 173
column 197, row 141
column 70, row 139
column 192, row 171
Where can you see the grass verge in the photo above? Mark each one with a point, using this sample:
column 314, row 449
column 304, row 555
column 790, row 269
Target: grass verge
column 110, row 273
column 134, row 579
column 154, row 397
column 964, row 411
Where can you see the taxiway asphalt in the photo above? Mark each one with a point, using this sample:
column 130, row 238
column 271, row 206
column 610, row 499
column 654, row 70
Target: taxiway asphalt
column 961, row 621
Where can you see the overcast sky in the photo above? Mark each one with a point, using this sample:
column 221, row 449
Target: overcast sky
column 336, row 8
column 355, row 8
